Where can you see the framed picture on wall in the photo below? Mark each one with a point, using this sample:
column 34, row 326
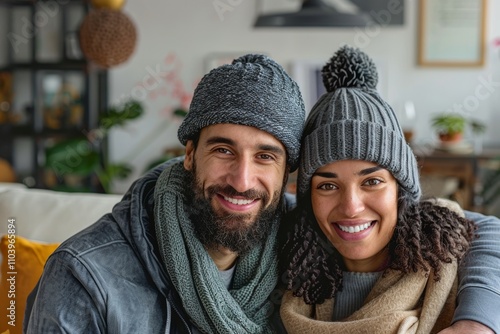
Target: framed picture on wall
column 452, row 32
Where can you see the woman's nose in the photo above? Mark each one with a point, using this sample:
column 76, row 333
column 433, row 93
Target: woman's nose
column 352, row 203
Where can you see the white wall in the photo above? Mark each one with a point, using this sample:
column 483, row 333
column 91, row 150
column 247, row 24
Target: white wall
column 191, row 30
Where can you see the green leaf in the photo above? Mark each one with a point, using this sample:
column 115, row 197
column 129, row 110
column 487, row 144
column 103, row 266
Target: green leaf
column 450, row 123
column 75, row 156
column 477, row 127
column 112, row 171
column 115, row 116
column 180, row 112
column 119, row 171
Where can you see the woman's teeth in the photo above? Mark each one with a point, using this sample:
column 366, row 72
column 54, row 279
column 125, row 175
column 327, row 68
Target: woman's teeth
column 354, row 229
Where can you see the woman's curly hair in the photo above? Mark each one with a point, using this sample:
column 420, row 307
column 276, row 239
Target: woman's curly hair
column 426, row 236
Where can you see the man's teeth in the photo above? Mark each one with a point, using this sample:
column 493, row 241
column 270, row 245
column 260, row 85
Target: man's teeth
column 355, row 229
column 238, row 201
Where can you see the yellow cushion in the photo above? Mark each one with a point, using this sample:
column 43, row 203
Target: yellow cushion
column 22, row 266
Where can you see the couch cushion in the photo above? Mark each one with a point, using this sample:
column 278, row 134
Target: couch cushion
column 19, row 277
column 50, row 216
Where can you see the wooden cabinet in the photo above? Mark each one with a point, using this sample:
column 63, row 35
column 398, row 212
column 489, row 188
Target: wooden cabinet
column 465, row 168
column 48, row 91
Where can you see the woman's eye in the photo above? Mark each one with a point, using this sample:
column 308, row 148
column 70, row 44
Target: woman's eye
column 327, row 186
column 373, row 182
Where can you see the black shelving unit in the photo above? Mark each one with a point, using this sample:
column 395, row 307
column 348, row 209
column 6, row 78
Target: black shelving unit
column 57, row 93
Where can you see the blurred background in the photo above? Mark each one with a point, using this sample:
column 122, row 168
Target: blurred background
column 92, row 92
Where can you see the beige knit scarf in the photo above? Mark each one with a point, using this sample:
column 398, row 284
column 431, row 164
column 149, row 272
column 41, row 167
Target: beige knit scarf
column 398, row 303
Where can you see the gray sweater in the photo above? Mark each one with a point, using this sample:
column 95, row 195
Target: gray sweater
column 356, row 287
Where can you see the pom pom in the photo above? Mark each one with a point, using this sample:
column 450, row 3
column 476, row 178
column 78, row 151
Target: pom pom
column 251, row 58
column 349, row 67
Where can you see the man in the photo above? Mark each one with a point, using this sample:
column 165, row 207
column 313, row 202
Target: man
column 192, row 246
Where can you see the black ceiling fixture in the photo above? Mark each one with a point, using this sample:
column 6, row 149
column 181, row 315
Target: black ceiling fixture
column 314, row 13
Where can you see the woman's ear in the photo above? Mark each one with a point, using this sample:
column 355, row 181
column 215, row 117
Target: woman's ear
column 189, row 158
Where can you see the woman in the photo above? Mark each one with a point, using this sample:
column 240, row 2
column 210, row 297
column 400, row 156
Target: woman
column 366, row 254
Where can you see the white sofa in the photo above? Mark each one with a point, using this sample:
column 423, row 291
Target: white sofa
column 44, row 219
column 50, row 216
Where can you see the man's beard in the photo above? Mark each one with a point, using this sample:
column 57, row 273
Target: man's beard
column 236, row 232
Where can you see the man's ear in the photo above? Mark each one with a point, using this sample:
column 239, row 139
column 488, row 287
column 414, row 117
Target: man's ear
column 189, row 158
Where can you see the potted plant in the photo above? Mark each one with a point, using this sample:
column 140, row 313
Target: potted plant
column 68, row 163
column 450, row 127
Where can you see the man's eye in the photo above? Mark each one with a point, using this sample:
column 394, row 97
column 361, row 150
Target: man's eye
column 223, row 150
column 266, row 156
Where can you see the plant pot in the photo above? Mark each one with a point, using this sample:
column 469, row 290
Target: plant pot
column 451, row 137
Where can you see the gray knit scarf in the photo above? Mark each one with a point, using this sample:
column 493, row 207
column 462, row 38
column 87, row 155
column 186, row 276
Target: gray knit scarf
column 246, row 307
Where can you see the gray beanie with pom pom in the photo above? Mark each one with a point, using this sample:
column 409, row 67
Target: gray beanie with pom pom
column 352, row 122
column 254, row 90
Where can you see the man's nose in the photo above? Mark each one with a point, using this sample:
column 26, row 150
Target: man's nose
column 242, row 175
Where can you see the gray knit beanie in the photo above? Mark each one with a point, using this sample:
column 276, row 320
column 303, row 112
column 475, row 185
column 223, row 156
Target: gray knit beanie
column 254, row 90
column 352, row 122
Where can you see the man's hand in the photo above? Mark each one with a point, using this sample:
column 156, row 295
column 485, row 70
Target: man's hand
column 467, row 327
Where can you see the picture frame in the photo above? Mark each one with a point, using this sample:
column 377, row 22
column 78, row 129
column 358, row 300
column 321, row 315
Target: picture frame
column 452, row 33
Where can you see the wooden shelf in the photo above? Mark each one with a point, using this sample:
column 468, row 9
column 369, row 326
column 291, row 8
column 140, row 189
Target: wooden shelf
column 56, row 100
column 465, row 167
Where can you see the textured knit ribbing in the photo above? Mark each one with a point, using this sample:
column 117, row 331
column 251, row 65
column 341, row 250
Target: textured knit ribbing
column 246, row 307
column 254, row 90
column 355, row 289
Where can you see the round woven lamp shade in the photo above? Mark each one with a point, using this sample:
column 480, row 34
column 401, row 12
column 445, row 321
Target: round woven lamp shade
column 107, row 37
column 110, row 4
